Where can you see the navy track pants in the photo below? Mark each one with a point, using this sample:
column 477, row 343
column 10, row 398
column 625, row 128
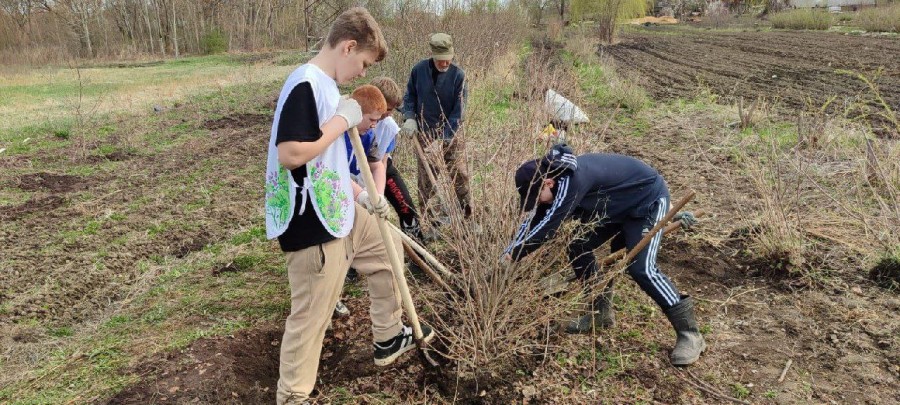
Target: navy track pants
column 626, row 233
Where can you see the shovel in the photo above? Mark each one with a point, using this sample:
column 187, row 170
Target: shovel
column 396, row 263
column 555, row 284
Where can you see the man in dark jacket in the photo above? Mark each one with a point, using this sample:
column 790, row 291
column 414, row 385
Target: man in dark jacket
column 620, row 198
column 433, row 108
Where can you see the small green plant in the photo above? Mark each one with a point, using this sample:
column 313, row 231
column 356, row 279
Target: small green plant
column 771, row 394
column 63, row 331
column 62, row 133
column 740, row 391
column 214, row 41
column 706, row 329
column 803, row 19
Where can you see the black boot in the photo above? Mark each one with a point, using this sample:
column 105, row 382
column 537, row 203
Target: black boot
column 689, row 342
column 602, row 315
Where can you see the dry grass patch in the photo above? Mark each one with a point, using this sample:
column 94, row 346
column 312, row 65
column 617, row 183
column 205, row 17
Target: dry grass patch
column 802, row 19
column 884, row 18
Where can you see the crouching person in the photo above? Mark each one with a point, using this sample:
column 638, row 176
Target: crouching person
column 311, row 210
column 620, row 198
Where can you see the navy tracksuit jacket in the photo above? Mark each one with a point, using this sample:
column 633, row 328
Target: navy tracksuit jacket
column 626, row 198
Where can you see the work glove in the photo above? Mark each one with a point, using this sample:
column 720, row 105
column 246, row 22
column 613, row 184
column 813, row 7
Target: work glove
column 350, row 111
column 409, row 127
column 687, row 218
column 377, row 207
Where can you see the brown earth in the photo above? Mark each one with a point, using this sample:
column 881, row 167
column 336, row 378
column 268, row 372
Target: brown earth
column 792, row 68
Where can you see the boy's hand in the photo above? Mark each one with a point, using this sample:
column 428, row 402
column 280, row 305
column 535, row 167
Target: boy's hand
column 378, row 207
column 409, row 127
column 350, row 111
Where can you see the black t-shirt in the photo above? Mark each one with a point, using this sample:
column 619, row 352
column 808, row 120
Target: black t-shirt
column 299, row 121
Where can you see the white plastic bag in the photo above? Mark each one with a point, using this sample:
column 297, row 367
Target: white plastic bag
column 564, row 110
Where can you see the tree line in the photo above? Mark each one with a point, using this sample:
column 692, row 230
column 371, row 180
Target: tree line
column 39, row 31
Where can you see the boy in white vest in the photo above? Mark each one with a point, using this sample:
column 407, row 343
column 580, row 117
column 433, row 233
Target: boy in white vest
column 310, row 207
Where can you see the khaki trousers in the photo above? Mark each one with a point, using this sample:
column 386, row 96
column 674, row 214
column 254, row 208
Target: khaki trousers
column 453, row 153
column 316, row 275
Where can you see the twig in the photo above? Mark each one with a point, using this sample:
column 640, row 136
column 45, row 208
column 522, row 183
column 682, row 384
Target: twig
column 702, row 386
column 609, row 122
column 787, row 365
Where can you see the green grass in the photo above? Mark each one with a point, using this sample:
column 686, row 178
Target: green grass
column 605, row 88
column 43, row 102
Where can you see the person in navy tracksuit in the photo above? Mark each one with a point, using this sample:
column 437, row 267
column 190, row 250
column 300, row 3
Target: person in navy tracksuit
column 622, row 198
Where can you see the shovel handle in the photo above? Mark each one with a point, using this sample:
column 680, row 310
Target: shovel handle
column 396, row 264
column 673, row 227
column 659, row 225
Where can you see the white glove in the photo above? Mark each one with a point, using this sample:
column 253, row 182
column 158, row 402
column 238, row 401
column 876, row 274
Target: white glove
column 378, row 207
column 350, row 111
column 409, row 127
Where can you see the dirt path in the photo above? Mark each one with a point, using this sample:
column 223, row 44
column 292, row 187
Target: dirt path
column 778, row 65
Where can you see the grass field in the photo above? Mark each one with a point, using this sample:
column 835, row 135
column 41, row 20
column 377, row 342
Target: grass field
column 57, row 99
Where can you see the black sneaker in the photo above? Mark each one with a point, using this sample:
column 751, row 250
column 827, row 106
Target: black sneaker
column 352, row 275
column 388, row 352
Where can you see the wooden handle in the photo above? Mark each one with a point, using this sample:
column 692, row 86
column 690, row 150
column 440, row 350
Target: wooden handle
column 396, row 263
column 674, row 226
column 424, row 266
column 433, row 261
column 659, row 225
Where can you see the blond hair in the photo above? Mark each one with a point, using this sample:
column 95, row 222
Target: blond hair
column 358, row 25
column 390, row 89
column 370, row 99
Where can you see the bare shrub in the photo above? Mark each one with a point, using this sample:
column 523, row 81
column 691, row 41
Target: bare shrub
column 497, row 315
column 717, row 14
column 825, row 197
column 778, row 238
column 607, row 13
column 748, row 114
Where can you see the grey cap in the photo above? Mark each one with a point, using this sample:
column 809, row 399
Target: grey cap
column 441, row 46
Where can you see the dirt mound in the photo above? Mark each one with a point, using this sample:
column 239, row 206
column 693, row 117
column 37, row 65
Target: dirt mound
column 238, row 369
column 56, row 183
column 242, row 120
column 35, row 204
column 887, row 273
column 793, row 67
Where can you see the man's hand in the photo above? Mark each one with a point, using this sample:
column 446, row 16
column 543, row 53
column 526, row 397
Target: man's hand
column 687, row 218
column 349, row 110
column 409, row 127
column 377, row 207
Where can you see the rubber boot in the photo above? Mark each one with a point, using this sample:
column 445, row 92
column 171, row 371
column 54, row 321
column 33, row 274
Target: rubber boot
column 689, row 343
column 602, row 314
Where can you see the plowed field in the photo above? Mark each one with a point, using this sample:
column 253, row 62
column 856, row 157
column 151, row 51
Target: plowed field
column 795, row 68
